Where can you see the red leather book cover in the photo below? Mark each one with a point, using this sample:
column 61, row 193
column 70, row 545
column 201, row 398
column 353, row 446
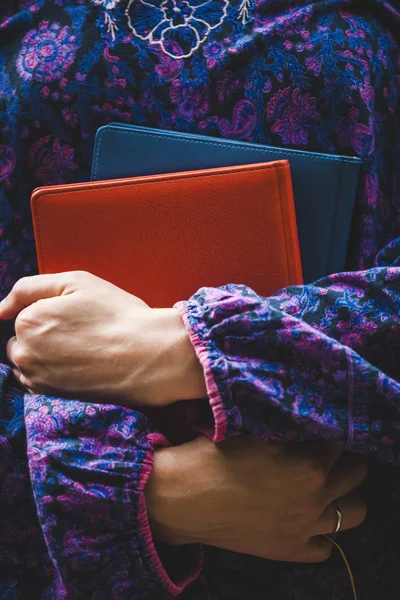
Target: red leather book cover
column 162, row 237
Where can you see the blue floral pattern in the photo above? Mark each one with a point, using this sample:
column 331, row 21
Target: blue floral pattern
column 46, row 53
column 289, row 113
column 322, row 75
column 51, row 162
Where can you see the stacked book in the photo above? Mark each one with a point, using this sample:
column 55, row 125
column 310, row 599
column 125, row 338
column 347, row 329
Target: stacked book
column 167, row 213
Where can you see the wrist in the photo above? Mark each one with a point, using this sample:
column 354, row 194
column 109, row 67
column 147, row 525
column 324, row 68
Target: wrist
column 163, row 494
column 160, row 362
column 180, row 369
column 177, row 564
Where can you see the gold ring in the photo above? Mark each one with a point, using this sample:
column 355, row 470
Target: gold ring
column 339, row 518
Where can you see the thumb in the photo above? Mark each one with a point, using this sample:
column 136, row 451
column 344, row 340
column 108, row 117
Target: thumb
column 29, row 290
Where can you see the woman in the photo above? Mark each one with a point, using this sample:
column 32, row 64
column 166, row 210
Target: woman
column 318, row 75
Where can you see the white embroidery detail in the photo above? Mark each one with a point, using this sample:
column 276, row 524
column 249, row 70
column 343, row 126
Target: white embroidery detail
column 179, row 27
column 244, row 12
column 106, row 4
column 110, row 21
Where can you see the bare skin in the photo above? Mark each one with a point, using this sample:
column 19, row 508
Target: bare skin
column 80, row 336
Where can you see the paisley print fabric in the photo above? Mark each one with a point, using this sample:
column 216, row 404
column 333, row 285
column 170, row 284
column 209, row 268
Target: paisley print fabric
column 51, row 545
column 324, row 356
column 313, row 361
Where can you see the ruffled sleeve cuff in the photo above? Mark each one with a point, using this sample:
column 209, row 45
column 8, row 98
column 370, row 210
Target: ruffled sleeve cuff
column 211, row 317
column 89, row 466
column 213, row 425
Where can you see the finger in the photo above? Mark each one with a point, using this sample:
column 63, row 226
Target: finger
column 11, row 350
column 318, row 549
column 23, row 381
column 17, row 358
column 31, row 289
column 353, row 510
column 345, row 476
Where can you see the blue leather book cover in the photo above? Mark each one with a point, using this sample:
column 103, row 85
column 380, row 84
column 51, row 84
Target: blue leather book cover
column 324, row 186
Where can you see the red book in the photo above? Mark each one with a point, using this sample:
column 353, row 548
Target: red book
column 162, row 237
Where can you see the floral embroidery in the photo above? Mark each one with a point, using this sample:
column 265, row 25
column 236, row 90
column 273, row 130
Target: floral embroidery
column 110, row 21
column 214, row 53
column 46, row 53
column 52, row 163
column 314, row 64
column 188, row 23
column 227, row 85
column 192, row 101
column 292, row 113
column 358, row 135
column 107, row 4
column 243, row 122
column 169, row 68
column 244, row 12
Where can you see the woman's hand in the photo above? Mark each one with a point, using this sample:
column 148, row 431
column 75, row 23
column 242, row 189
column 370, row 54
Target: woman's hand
column 80, row 336
column 271, row 500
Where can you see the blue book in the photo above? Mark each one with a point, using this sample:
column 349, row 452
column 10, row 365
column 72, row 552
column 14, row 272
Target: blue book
column 324, row 185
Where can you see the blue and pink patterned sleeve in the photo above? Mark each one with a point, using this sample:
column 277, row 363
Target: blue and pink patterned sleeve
column 89, row 464
column 316, row 361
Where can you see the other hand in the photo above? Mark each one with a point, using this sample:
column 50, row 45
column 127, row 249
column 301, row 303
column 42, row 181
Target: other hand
column 80, row 336
column 274, row 501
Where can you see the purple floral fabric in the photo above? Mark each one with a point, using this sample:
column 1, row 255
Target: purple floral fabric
column 313, row 361
column 51, row 542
